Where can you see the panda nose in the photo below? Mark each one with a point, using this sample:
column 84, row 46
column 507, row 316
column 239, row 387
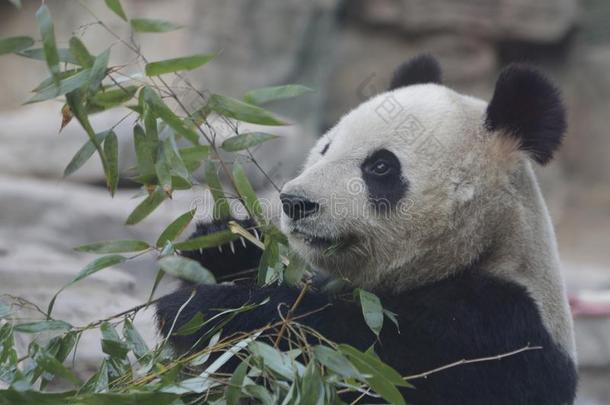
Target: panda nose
column 297, row 207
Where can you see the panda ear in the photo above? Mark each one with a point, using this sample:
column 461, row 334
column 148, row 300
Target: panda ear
column 419, row 70
column 527, row 106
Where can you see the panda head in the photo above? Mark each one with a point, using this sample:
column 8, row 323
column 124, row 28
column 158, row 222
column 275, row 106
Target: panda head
column 420, row 181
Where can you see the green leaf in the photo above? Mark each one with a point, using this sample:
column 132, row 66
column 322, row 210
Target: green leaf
column 275, row 360
column 49, row 81
column 194, row 156
column 134, row 340
column 233, row 392
column 50, row 364
column 173, row 158
column 267, row 94
column 15, row 44
column 152, row 25
column 174, row 229
column 114, row 246
column 192, row 326
column 115, row 6
column 38, row 54
column 245, row 190
column 178, row 64
column 188, row 269
column 163, row 173
column 222, row 209
column 61, row 87
column 77, row 107
column 392, row 317
column 206, row 241
column 80, row 53
column 148, row 205
column 269, row 259
column 45, row 24
column 43, row 326
column 371, row 309
column 259, row 392
column 98, row 70
column 111, row 342
column 111, row 98
column 382, row 382
column 111, row 152
column 336, row 362
column 373, row 363
column 246, row 140
column 160, row 109
column 232, row 108
column 146, row 153
column 83, row 154
column 98, row 264
column 99, row 381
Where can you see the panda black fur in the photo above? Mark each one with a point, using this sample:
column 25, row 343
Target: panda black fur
column 471, row 271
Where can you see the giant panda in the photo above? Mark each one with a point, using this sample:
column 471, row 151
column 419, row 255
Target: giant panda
column 428, row 199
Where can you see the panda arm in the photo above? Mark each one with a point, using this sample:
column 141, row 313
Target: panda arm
column 335, row 319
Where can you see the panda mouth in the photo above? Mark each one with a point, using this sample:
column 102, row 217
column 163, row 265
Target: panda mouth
column 319, row 242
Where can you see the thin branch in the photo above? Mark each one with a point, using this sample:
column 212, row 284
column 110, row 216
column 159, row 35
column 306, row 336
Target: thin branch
column 471, row 361
column 290, row 313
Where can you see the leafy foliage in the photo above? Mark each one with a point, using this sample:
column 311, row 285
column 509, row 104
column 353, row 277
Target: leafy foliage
column 171, row 143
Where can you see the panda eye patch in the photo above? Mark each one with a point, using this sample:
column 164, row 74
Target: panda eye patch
column 382, row 174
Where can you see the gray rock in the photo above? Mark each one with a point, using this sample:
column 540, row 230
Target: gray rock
column 540, row 21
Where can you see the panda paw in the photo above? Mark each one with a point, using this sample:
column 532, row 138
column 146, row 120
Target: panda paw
column 229, row 261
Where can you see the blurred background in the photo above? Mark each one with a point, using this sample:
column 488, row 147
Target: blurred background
column 346, row 51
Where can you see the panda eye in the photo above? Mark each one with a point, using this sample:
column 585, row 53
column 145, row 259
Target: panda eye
column 380, row 168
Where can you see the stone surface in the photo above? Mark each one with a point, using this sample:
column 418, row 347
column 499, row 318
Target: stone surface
column 540, row 21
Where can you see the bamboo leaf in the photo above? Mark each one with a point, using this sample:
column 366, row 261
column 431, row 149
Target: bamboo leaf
column 114, row 246
column 14, row 44
column 267, row 94
column 160, row 109
column 222, row 210
column 148, row 205
column 98, row 264
column 134, row 340
column 61, row 87
column 206, row 241
column 336, row 362
column 174, row 229
column 98, row 70
column 146, row 152
column 246, row 140
column 188, row 269
column 236, row 109
column 191, row 326
column 194, row 156
column 43, row 326
column 50, row 364
column 178, row 64
column 233, row 392
column 111, row 98
column 117, row 8
column 111, row 152
column 80, row 53
column 83, row 154
column 38, row 54
column 247, row 193
column 371, row 309
column 45, row 25
column 152, row 25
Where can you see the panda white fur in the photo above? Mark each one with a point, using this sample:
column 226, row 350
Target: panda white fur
column 428, row 199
